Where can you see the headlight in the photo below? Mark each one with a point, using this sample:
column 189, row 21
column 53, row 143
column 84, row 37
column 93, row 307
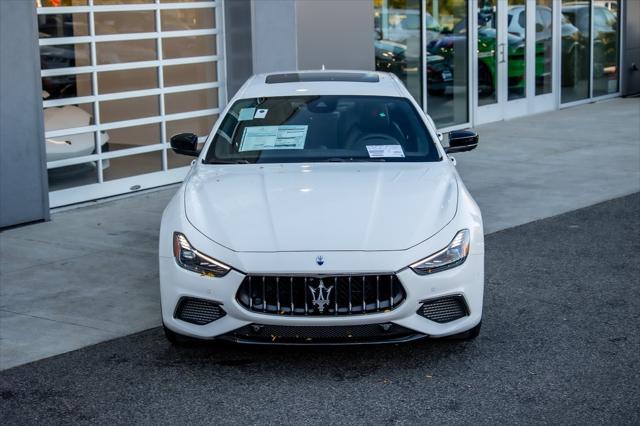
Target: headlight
column 449, row 257
column 193, row 260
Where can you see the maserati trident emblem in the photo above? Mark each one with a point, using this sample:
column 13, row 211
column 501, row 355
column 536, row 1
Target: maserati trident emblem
column 320, row 260
column 320, row 296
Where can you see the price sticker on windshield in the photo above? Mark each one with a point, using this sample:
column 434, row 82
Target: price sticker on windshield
column 388, row 151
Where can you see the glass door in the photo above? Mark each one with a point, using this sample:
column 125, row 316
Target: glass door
column 514, row 59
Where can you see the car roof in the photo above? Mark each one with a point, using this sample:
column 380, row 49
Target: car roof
column 321, row 82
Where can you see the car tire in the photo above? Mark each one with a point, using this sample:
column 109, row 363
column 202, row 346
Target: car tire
column 175, row 338
column 469, row 334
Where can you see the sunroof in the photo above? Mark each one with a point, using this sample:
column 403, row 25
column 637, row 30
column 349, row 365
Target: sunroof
column 358, row 77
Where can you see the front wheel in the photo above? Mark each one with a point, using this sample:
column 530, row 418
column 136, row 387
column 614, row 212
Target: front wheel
column 175, row 338
column 469, row 334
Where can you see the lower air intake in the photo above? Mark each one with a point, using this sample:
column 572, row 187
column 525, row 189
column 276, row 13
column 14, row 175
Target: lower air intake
column 198, row 311
column 444, row 309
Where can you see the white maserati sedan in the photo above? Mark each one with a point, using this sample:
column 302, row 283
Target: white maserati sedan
column 322, row 209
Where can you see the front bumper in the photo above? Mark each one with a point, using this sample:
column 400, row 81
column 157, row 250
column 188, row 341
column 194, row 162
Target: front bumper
column 465, row 281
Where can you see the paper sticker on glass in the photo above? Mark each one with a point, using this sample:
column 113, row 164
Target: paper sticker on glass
column 263, row 138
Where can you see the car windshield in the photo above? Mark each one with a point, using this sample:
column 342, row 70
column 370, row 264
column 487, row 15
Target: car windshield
column 321, row 128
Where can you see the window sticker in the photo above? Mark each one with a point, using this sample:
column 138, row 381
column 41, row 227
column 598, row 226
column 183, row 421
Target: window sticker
column 381, row 151
column 261, row 113
column 261, row 138
column 246, row 114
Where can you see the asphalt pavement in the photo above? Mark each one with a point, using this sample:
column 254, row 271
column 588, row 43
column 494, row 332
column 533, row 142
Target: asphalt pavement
column 560, row 344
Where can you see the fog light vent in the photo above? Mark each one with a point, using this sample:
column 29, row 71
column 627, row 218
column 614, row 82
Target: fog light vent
column 198, row 311
column 444, row 309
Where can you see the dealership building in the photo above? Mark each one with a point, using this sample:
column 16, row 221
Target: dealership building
column 91, row 91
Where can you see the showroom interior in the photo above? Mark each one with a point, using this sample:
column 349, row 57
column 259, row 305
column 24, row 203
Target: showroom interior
column 120, row 77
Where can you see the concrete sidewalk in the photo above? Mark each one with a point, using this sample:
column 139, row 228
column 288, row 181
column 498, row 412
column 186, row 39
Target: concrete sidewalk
column 91, row 273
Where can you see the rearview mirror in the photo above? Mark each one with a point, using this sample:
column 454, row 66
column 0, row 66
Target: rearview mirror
column 186, row 144
column 461, row 141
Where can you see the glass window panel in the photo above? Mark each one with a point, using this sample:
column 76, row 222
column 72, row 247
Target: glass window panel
column 66, row 86
column 188, row 19
column 178, row 160
column 125, row 80
column 447, row 61
column 128, row 109
column 190, row 101
column 487, row 52
column 606, row 50
column 185, row 47
column 65, row 56
column 397, row 40
column 517, row 48
column 114, row 52
column 183, row 1
column 63, row 25
column 178, row 75
column 544, row 46
column 68, row 117
column 133, row 165
column 59, row 3
column 201, row 126
column 72, row 176
column 107, row 2
column 576, row 29
column 125, row 22
column 130, row 137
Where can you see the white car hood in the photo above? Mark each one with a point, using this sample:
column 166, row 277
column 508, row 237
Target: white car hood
column 321, row 207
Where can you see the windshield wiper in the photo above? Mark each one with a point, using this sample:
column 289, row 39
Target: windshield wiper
column 228, row 162
column 358, row 160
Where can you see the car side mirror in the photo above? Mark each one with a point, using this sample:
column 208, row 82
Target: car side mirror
column 461, row 141
column 185, row 144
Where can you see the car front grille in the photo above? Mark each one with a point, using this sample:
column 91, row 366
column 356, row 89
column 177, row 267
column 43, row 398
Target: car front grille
column 278, row 334
column 444, row 309
column 321, row 295
column 198, row 311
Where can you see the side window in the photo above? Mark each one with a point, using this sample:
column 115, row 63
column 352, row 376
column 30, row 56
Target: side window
column 522, row 19
column 543, row 17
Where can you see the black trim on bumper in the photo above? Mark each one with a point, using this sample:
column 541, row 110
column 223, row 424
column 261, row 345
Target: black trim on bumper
column 365, row 334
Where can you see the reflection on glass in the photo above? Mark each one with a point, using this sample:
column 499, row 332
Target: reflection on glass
column 605, row 47
column 517, row 49
column 125, row 80
column 64, row 119
column 74, row 175
column 116, row 52
column 130, row 137
column 200, row 126
column 66, row 86
column 64, row 56
column 576, row 27
column 125, row 22
column 129, row 109
column 544, row 46
column 190, row 101
column 487, row 52
column 188, row 19
column 178, row 75
column 132, row 165
column 63, row 25
column 58, row 3
column 447, row 66
column 397, row 40
column 186, row 47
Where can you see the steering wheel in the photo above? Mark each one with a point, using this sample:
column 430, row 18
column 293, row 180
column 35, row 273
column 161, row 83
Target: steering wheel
column 374, row 139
